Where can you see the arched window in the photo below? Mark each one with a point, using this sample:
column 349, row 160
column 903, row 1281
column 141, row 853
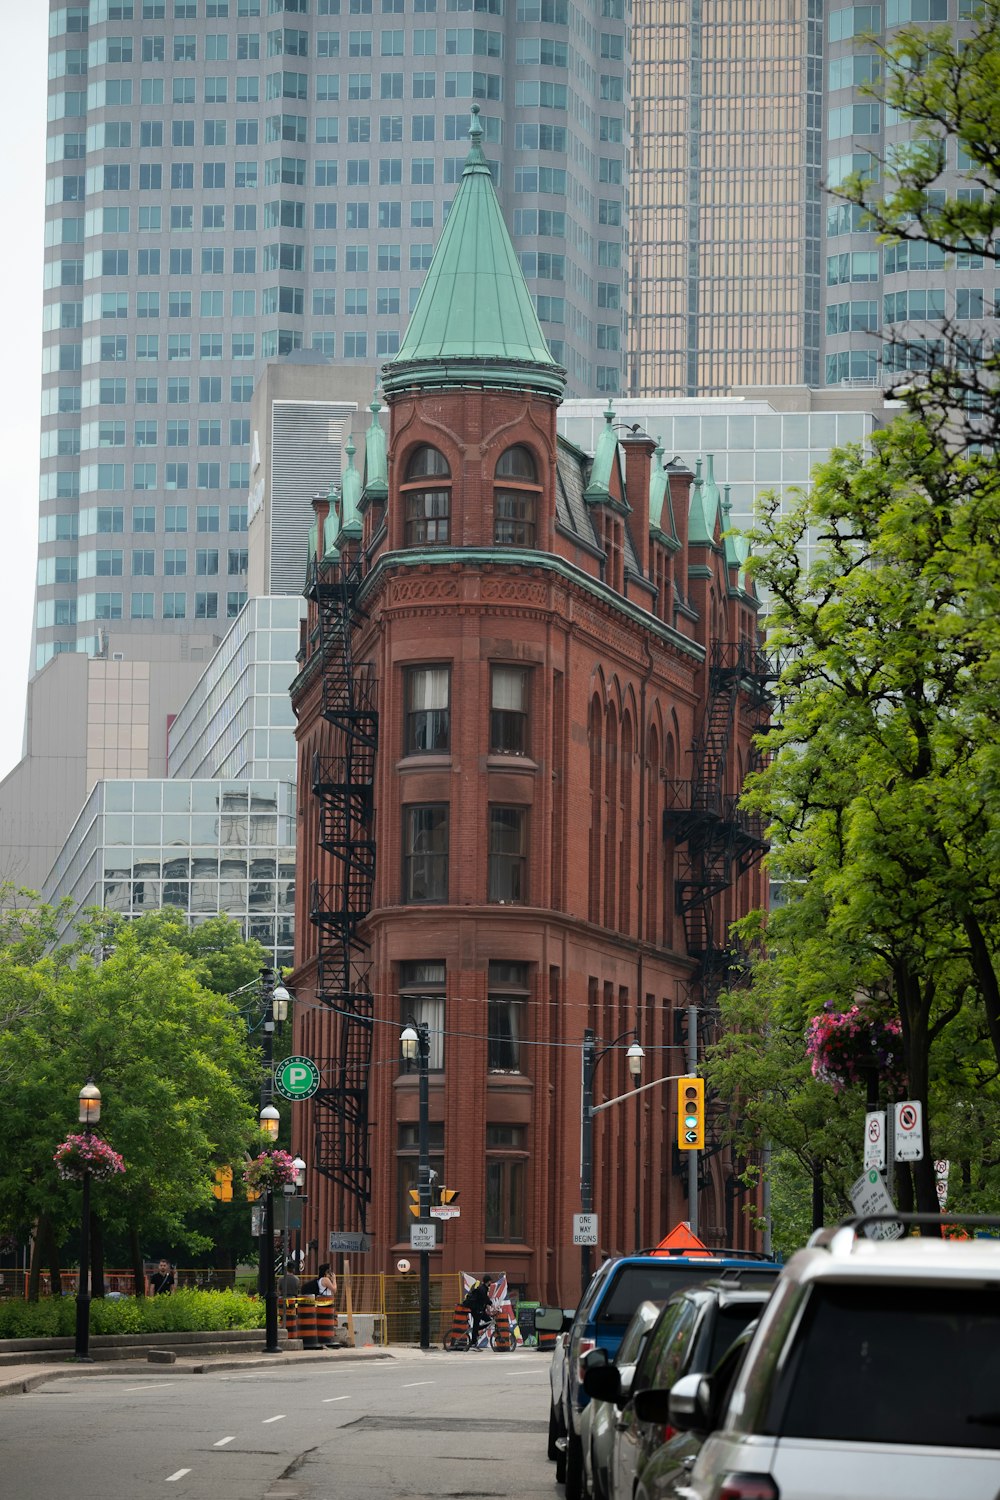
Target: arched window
column 426, row 499
column 515, row 499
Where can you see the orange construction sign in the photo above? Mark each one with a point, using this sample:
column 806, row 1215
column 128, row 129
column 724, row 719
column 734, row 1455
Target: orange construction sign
column 680, row 1241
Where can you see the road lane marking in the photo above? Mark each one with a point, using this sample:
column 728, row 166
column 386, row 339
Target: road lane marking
column 179, row 1475
column 161, row 1385
column 223, row 1441
column 328, row 1399
column 412, row 1383
column 279, row 1418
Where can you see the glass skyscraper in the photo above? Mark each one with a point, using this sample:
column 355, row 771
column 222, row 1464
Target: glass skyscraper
column 231, row 180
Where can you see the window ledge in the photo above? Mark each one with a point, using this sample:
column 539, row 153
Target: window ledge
column 495, row 762
column 433, row 760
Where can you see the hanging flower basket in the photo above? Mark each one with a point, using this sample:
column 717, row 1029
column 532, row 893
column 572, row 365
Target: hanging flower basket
column 80, row 1154
column 846, row 1046
column 271, row 1169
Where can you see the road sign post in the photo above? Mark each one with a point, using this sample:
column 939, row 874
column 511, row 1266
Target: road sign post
column 585, row 1229
column 875, row 1140
column 909, row 1130
column 296, row 1078
column 869, row 1195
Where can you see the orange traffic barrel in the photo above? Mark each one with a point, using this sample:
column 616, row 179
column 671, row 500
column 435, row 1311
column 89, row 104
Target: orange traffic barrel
column 546, row 1341
column 326, row 1320
column 306, row 1322
column 502, row 1338
column 458, row 1335
column 290, row 1316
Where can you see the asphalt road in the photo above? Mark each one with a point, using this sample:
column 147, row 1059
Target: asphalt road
column 429, row 1426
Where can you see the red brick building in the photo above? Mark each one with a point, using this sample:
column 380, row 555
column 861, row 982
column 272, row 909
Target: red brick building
column 525, row 707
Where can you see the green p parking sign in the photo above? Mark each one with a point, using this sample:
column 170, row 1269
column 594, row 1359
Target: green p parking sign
column 296, row 1078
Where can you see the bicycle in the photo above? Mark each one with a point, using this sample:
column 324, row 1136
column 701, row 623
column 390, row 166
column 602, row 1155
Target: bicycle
column 459, row 1343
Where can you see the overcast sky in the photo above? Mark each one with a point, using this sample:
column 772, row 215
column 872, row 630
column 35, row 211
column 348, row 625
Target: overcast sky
column 22, row 191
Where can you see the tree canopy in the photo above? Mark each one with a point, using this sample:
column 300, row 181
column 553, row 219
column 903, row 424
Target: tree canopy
column 881, row 797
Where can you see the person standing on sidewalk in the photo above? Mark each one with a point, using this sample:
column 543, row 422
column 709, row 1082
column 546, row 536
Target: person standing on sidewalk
column 161, row 1280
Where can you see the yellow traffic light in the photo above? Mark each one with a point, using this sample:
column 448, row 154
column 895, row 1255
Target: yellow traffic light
column 223, row 1185
column 415, row 1202
column 690, row 1114
column 449, row 1195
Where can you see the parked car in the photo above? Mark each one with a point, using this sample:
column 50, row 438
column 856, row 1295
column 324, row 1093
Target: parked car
column 692, row 1333
column 556, row 1320
column 597, row 1420
column 874, row 1373
column 615, row 1291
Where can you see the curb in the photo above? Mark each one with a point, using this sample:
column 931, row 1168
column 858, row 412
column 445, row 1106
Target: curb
column 22, row 1384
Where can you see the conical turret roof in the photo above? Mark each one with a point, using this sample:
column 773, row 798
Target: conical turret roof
column 475, row 321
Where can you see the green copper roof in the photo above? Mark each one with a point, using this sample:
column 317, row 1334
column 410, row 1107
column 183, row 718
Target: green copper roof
column 730, row 542
column 697, row 531
column 599, row 487
column 350, row 489
column 332, row 527
column 475, row 321
column 376, row 457
column 710, row 497
column 661, row 510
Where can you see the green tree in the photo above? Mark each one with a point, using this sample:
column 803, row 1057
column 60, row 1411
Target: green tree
column 881, row 791
column 176, row 1070
column 946, row 88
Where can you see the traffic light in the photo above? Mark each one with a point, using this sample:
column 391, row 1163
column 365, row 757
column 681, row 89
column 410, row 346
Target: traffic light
column 691, row 1114
column 415, row 1202
column 449, row 1195
column 223, row 1184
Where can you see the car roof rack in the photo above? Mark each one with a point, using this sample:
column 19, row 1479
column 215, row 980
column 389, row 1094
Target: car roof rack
column 710, row 1252
column 843, row 1236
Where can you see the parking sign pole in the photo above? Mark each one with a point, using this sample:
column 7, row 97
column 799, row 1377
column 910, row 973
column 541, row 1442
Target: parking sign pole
column 587, row 1149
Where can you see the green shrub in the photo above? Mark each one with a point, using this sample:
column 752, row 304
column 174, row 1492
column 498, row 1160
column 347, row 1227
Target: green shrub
column 183, row 1311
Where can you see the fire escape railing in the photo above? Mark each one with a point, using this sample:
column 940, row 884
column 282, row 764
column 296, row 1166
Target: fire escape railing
column 343, row 781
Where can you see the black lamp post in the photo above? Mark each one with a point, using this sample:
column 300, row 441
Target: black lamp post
column 416, row 1044
column 591, row 1057
column 90, row 1113
column 269, row 1122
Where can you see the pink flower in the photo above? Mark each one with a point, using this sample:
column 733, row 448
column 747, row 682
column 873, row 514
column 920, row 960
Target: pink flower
column 79, row 1154
column 846, row 1046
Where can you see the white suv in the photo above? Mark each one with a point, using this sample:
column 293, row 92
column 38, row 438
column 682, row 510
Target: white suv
column 874, row 1375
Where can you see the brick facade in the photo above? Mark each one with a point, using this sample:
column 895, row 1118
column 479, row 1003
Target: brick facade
column 612, row 628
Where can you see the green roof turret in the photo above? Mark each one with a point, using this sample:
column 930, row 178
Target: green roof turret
column 350, row 487
column 475, row 322
column 332, row 528
column 376, row 457
column 598, row 490
column 661, row 512
column 710, row 498
column 730, row 542
column 698, row 531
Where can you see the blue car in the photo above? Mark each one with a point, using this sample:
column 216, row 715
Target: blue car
column 613, row 1295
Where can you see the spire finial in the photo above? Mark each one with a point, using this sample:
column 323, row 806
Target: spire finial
column 475, row 129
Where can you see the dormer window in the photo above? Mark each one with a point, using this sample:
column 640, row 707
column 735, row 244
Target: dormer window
column 426, row 498
column 515, row 499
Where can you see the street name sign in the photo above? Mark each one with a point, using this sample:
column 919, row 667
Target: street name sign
column 869, row 1195
column 423, row 1236
column 296, row 1078
column 585, row 1229
column 875, row 1140
column 444, row 1211
column 350, row 1244
column 909, row 1131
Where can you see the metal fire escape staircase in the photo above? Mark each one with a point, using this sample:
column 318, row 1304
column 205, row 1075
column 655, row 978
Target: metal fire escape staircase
column 716, row 841
column 343, row 782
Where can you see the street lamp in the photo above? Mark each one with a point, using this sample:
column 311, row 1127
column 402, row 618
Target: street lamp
column 269, row 1123
column 415, row 1041
column 591, row 1057
column 89, row 1114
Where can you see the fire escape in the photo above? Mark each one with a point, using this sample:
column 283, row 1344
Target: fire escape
column 715, row 840
column 343, row 782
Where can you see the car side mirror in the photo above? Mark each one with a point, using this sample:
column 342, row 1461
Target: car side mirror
column 554, row 1319
column 689, row 1402
column 602, row 1381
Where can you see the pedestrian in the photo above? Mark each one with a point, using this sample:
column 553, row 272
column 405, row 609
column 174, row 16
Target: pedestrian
column 161, row 1280
column 477, row 1300
column 323, row 1284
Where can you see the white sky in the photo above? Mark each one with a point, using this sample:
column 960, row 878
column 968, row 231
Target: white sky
column 22, row 191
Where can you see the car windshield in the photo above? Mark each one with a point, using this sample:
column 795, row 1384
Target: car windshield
column 639, row 1283
column 903, row 1364
column 730, row 1323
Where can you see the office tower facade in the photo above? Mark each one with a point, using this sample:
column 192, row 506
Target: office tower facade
column 725, row 220
column 897, row 291
column 231, row 180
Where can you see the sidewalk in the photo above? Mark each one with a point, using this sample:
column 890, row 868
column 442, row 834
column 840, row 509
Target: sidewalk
column 15, row 1380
